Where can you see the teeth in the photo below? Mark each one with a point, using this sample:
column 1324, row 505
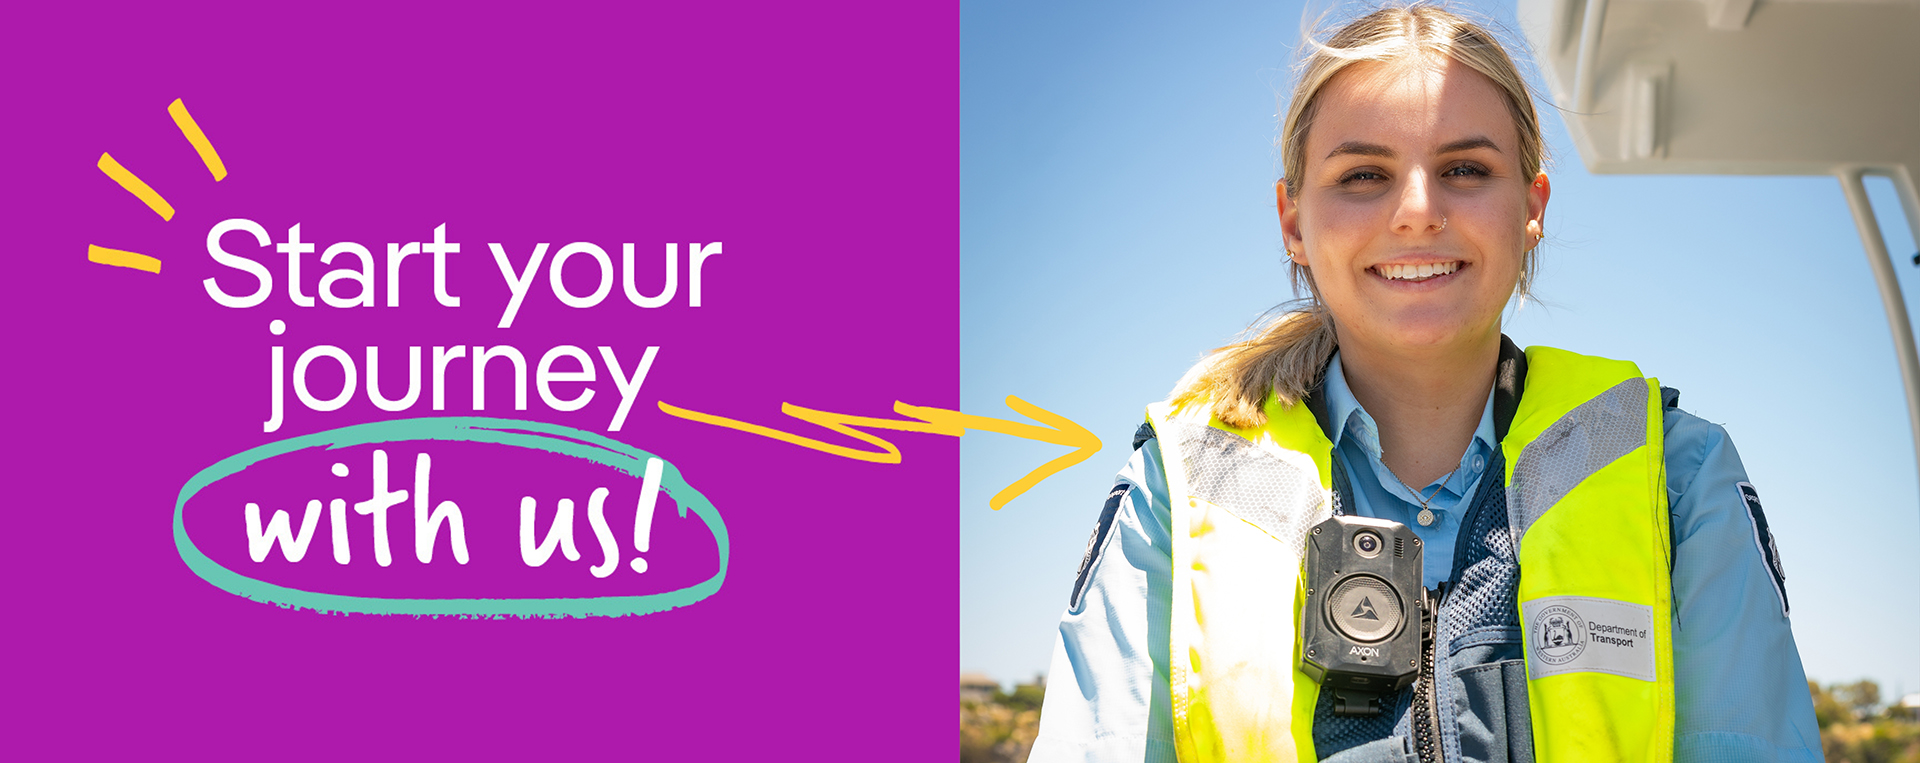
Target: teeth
column 1414, row 272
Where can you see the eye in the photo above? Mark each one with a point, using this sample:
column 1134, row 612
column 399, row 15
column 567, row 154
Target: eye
column 1465, row 170
column 1361, row 176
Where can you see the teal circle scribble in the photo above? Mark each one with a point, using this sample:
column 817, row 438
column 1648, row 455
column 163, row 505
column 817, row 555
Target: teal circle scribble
column 533, row 435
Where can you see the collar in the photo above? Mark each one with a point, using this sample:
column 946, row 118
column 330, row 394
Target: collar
column 1348, row 419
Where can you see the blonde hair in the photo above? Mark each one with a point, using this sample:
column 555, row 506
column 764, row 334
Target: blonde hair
column 1285, row 357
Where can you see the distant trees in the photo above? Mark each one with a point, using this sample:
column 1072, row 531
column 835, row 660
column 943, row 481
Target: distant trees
column 1024, row 696
column 1855, row 729
column 1002, row 728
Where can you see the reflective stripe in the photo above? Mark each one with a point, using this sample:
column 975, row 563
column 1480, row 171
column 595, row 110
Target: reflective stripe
column 1230, row 471
column 1587, row 438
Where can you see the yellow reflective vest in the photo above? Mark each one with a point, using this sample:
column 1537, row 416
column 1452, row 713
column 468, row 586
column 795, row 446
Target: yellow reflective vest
column 1586, row 499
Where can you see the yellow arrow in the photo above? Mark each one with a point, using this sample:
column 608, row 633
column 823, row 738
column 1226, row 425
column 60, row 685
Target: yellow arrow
column 1060, row 431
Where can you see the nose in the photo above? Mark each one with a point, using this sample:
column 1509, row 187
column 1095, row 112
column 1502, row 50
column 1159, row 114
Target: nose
column 1418, row 211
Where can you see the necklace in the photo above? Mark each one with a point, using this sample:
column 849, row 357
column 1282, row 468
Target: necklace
column 1425, row 517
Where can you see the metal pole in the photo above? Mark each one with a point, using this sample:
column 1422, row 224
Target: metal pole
column 1902, row 177
column 1852, row 181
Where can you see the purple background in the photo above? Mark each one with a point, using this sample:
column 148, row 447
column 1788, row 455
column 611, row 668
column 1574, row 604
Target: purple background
column 818, row 143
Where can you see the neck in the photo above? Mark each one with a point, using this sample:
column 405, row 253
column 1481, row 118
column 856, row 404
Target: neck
column 1426, row 401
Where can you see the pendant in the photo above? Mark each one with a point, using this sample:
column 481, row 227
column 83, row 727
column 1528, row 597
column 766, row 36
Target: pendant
column 1426, row 517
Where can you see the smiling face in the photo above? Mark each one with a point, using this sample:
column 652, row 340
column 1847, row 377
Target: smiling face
column 1413, row 211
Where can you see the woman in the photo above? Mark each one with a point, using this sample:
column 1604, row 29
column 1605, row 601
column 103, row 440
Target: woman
column 1650, row 622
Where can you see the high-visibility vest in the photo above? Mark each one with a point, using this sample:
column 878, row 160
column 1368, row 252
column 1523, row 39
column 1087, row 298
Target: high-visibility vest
column 1585, row 477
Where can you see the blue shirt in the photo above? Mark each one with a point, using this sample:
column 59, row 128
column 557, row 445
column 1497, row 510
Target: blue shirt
column 1378, row 493
column 1740, row 691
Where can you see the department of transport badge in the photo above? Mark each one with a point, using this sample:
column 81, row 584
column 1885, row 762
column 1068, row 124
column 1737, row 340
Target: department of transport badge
column 1559, row 635
column 1579, row 634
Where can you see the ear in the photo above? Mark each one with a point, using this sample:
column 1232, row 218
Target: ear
column 1537, row 195
column 1289, row 223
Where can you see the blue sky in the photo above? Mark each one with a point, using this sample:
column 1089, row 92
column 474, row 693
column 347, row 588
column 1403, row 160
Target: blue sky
column 1117, row 162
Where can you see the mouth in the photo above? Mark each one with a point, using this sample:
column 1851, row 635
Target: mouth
column 1419, row 273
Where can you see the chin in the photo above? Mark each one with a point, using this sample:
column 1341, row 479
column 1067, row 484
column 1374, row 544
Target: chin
column 1436, row 334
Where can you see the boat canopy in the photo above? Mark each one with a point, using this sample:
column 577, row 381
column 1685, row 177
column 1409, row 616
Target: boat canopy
column 1748, row 87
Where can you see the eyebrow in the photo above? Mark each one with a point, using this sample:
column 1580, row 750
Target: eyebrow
column 1356, row 148
column 1469, row 144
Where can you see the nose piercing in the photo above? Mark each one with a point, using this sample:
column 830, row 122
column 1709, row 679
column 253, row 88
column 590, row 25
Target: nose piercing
column 1443, row 225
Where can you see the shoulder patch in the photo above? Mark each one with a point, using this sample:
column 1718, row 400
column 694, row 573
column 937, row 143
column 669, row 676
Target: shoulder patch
column 1098, row 542
column 1763, row 539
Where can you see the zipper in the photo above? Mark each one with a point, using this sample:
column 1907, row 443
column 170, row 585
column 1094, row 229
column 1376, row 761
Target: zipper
column 1426, row 718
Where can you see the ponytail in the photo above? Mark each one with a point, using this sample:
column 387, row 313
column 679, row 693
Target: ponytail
column 1285, row 359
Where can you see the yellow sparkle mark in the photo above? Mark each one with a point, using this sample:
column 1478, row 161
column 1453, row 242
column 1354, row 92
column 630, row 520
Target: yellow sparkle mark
column 135, row 186
column 1061, row 431
column 123, row 259
column 191, row 129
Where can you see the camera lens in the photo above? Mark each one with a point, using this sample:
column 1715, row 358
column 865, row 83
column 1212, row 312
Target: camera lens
column 1368, row 544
